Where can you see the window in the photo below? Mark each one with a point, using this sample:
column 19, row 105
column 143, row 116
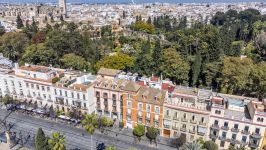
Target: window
column 246, row 128
column 244, row 139
column 48, row 88
column 105, row 95
column 114, row 96
column 216, row 122
column 157, row 109
column 84, row 105
column 140, row 106
column 167, row 113
column 224, row 134
column 66, row 93
column 234, row 136
column 97, row 94
column 84, row 97
column 72, row 94
column 257, row 130
column 129, row 104
column 193, row 117
column 67, row 101
column 148, row 108
column 77, row 95
column 43, row 89
column 32, row 85
column 217, row 112
column 184, row 126
column 184, row 116
column 236, row 126
column 55, row 92
column 37, row 86
column 202, row 119
column 19, row 83
column 225, row 124
column 27, row 85
column 60, row 92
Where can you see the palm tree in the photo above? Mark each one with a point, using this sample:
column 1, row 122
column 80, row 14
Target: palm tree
column 57, row 142
column 192, row 146
column 90, row 123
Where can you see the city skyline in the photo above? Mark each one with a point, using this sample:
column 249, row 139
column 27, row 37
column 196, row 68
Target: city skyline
column 129, row 1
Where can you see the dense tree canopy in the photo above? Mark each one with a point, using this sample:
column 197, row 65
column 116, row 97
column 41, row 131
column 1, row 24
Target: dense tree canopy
column 228, row 55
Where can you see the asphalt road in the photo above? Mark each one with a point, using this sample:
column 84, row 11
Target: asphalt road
column 75, row 137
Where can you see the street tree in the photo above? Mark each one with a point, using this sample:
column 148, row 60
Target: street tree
column 192, row 146
column 90, row 124
column 180, row 141
column 57, row 141
column 139, row 131
column 210, row 145
column 41, row 142
column 152, row 134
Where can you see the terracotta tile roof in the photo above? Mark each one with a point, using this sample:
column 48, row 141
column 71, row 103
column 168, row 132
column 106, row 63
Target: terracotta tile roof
column 108, row 72
column 156, row 79
column 151, row 95
column 36, row 68
column 132, row 86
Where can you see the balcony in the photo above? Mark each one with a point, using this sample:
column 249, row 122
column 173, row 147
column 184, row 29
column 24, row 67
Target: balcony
column 246, row 132
column 84, row 108
column 166, row 126
column 105, row 102
column 213, row 136
column 222, row 138
column 201, row 133
column 98, row 102
column 203, row 123
column 174, row 127
column 99, row 107
column 175, row 118
column 193, row 121
column 114, row 103
column 225, row 128
column 192, row 131
column 106, row 108
column 235, row 130
column 215, row 126
column 253, row 145
column 256, row 135
column 183, row 129
column 234, row 141
column 184, row 119
column 167, row 117
column 97, row 95
column 49, row 100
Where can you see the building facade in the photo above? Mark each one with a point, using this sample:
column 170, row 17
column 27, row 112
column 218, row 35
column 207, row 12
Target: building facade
column 143, row 105
column 185, row 114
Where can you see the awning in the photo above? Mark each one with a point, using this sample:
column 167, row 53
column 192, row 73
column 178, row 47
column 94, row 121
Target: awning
column 202, row 129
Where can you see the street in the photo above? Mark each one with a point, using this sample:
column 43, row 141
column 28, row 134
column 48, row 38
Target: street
column 26, row 126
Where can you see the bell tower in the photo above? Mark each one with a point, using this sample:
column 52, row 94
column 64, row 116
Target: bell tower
column 62, row 7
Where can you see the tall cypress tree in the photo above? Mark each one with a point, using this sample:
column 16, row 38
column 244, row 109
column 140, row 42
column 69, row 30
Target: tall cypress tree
column 156, row 56
column 41, row 141
column 19, row 22
column 196, row 68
